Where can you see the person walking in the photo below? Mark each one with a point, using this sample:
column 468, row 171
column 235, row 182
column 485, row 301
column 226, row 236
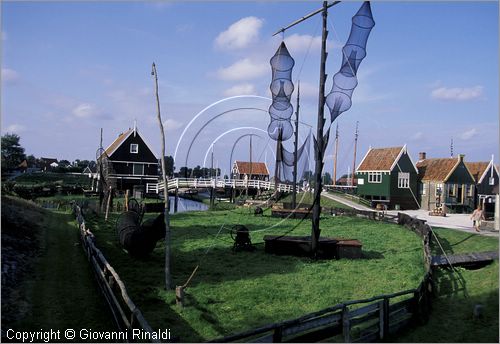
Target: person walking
column 477, row 216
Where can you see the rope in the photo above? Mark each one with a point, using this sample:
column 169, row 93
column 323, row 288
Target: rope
column 307, row 51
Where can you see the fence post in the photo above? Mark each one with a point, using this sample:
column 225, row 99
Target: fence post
column 385, row 307
column 346, row 325
column 278, row 335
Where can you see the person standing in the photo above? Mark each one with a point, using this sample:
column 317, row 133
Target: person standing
column 477, row 216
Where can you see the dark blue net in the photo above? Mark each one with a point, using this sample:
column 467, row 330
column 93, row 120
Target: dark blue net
column 354, row 51
column 281, row 87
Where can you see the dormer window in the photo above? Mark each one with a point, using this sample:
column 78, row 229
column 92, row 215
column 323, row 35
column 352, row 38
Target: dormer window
column 134, row 148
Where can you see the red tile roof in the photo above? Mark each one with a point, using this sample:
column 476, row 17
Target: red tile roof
column 477, row 168
column 256, row 168
column 379, row 159
column 436, row 169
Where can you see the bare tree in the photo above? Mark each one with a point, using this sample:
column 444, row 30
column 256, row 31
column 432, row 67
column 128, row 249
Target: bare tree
column 168, row 273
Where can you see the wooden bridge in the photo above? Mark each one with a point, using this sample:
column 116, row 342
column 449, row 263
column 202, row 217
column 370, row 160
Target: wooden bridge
column 465, row 259
column 194, row 183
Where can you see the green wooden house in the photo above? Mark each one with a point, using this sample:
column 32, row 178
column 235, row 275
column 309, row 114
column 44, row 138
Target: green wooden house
column 388, row 176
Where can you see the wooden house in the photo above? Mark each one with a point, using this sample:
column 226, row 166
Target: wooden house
column 254, row 170
column 487, row 179
column 447, row 182
column 131, row 161
column 48, row 163
column 388, row 176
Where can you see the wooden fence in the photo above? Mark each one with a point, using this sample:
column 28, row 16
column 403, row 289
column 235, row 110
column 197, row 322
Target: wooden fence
column 366, row 320
column 126, row 314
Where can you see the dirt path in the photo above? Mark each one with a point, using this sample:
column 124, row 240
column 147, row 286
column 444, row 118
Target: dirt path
column 61, row 289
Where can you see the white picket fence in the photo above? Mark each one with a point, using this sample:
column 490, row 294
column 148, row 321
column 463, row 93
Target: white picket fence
column 193, row 183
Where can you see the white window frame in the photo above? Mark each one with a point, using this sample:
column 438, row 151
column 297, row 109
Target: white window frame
column 134, row 148
column 452, row 190
column 470, row 190
column 491, row 181
column 425, row 186
column 133, row 169
column 439, row 186
column 375, row 177
column 403, row 180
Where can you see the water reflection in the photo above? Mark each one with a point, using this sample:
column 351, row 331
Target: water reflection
column 186, row 205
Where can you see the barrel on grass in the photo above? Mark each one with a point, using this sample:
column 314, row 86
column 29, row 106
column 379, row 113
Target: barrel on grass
column 139, row 239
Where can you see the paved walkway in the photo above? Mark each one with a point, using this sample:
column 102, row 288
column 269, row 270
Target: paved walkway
column 345, row 201
column 460, row 222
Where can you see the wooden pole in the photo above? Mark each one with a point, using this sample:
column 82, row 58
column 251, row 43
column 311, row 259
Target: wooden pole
column 168, row 275
column 126, row 199
column 355, row 148
column 108, row 203
column 296, row 144
column 319, row 148
column 335, row 155
column 278, row 162
column 212, row 189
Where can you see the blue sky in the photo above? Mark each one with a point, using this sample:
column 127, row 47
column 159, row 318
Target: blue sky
column 68, row 69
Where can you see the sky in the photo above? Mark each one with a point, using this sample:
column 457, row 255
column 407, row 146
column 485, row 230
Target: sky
column 70, row 68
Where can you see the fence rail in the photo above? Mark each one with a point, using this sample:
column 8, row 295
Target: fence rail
column 126, row 314
column 366, row 320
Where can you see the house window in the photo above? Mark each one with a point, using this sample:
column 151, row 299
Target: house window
column 470, row 190
column 374, row 177
column 451, row 190
column 492, row 180
column 134, row 148
column 424, row 188
column 439, row 189
column 138, row 169
column 403, row 180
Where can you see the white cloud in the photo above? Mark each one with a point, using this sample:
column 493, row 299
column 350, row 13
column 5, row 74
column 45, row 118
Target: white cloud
column 240, row 34
column 457, row 93
column 171, row 124
column 244, row 69
column 9, row 75
column 241, row 89
column 417, row 136
column 84, row 110
column 300, row 43
column 467, row 135
column 14, row 128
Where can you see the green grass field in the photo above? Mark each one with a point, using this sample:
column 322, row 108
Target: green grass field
column 233, row 292
column 458, row 292
column 59, row 292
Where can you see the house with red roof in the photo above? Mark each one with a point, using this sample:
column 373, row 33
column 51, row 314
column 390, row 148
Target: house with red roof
column 446, row 181
column 252, row 170
column 388, row 176
column 487, row 179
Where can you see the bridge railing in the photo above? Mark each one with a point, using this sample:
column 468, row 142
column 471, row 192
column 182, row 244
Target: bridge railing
column 207, row 183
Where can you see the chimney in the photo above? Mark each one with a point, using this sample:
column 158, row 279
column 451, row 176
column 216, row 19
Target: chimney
column 461, row 157
column 422, row 156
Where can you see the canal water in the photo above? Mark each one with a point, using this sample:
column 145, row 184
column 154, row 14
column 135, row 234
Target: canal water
column 186, row 205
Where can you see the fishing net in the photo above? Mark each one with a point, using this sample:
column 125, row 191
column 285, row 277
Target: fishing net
column 286, row 159
column 281, row 87
column 354, row 51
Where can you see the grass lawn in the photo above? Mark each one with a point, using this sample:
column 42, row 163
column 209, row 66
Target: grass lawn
column 60, row 292
column 458, row 292
column 232, row 292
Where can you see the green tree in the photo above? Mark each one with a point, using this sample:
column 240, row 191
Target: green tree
column 12, row 152
column 169, row 165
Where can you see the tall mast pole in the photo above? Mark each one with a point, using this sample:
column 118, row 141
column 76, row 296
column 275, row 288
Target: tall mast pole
column 168, row 274
column 335, row 155
column 296, row 143
column 319, row 148
column 355, row 148
column 278, row 162
column 251, row 166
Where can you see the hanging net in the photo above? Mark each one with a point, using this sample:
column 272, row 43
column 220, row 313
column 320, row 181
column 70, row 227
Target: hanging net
column 354, row 51
column 286, row 159
column 281, row 87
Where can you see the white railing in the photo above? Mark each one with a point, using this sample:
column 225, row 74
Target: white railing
column 219, row 183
